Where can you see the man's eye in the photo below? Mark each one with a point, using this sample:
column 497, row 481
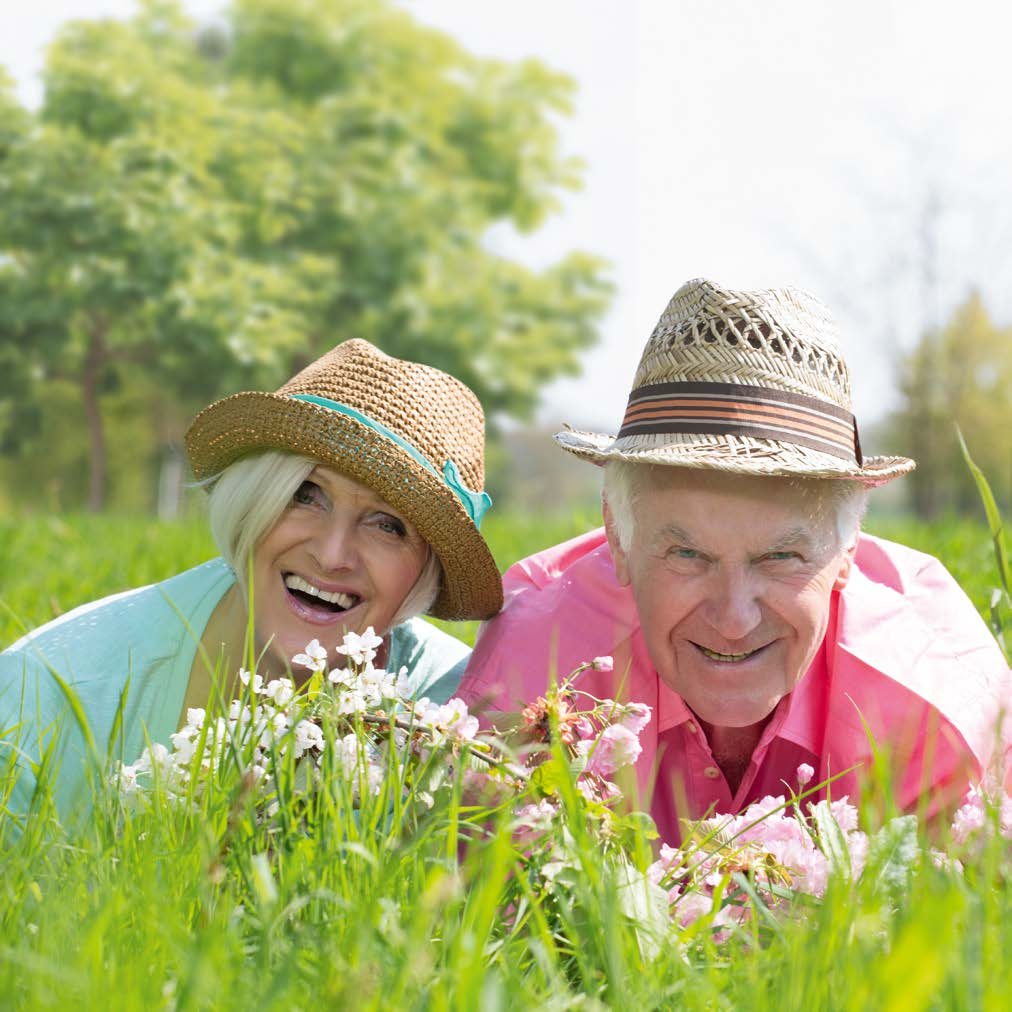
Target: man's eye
column 780, row 556
column 683, row 553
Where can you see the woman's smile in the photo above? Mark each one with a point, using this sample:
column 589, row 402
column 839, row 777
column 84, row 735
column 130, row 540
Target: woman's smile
column 338, row 559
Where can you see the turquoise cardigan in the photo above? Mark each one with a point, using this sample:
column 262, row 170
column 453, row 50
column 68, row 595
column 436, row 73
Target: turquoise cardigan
column 150, row 637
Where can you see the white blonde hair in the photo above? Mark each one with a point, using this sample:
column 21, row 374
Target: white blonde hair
column 625, row 481
column 246, row 500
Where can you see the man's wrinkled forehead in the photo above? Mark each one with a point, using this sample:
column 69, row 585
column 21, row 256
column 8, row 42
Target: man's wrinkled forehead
column 807, row 515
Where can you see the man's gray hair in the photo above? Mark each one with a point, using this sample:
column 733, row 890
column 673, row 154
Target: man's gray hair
column 624, row 482
column 248, row 498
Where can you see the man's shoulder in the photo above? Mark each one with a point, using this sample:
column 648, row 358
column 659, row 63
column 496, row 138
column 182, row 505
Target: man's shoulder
column 898, row 566
column 906, row 627
column 584, row 558
column 562, row 606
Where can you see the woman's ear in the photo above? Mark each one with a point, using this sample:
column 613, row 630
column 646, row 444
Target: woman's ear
column 617, row 553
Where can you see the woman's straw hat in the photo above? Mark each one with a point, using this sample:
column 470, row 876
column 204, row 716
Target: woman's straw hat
column 747, row 382
column 413, row 434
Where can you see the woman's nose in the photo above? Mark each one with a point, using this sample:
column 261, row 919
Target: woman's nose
column 734, row 610
column 334, row 545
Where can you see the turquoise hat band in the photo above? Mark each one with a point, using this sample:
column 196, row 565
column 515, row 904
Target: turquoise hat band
column 475, row 503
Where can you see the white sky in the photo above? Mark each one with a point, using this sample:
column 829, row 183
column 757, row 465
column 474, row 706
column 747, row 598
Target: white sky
column 757, row 143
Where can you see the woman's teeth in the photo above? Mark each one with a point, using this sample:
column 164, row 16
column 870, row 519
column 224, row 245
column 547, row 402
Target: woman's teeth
column 726, row 658
column 342, row 601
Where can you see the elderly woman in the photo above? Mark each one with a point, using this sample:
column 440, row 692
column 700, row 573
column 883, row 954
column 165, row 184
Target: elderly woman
column 773, row 640
column 350, row 498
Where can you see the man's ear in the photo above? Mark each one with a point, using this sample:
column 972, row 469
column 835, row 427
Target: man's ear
column 617, row 554
column 845, row 567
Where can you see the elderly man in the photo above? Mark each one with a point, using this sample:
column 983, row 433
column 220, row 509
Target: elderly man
column 735, row 591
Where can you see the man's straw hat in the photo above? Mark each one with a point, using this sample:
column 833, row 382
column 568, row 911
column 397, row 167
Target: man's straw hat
column 413, row 434
column 747, row 382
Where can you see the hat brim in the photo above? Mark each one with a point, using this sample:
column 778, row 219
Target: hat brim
column 248, row 422
column 733, row 454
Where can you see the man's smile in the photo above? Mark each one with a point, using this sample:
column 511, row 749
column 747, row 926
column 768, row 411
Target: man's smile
column 715, row 655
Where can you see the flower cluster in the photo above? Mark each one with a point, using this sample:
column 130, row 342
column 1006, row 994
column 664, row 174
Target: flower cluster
column 774, row 844
column 363, row 714
column 366, row 720
column 359, row 726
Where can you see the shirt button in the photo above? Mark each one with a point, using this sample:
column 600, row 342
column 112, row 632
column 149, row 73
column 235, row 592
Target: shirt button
column 712, row 772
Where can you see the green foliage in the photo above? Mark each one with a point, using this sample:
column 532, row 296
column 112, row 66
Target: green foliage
column 961, row 375
column 191, row 912
column 206, row 212
column 50, row 564
column 1000, row 604
column 335, row 903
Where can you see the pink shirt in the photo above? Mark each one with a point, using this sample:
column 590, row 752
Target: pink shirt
column 905, row 653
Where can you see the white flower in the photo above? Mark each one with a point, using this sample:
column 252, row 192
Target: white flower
column 451, row 719
column 402, row 686
column 315, row 657
column 127, row 779
column 361, row 649
column 258, row 682
column 456, row 721
column 604, row 663
column 342, row 676
column 307, row 736
column 352, row 701
column 194, row 717
column 280, row 690
column 184, row 745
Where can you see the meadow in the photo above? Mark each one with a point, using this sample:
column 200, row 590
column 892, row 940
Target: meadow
column 51, row 564
column 205, row 910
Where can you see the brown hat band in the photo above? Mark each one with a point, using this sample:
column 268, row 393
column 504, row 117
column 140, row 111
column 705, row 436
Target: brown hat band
column 737, row 410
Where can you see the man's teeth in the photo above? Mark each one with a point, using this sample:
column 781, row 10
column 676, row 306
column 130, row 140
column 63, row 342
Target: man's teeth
column 713, row 655
column 293, row 582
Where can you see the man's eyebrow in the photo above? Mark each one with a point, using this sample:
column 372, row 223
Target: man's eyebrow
column 672, row 532
column 796, row 537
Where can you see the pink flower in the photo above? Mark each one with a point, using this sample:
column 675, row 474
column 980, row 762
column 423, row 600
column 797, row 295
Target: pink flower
column 805, row 773
column 635, row 717
column 616, row 747
column 603, row 664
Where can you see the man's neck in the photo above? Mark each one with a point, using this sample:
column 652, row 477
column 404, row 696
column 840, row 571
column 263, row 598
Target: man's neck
column 732, row 749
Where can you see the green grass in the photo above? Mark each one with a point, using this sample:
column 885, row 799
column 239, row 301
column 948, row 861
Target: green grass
column 49, row 565
column 165, row 912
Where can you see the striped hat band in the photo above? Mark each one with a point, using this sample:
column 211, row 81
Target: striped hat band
column 738, row 410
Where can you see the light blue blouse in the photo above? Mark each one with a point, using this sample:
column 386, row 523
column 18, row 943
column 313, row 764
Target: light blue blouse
column 143, row 641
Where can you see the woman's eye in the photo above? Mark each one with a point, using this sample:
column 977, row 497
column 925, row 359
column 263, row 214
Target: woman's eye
column 391, row 525
column 307, row 494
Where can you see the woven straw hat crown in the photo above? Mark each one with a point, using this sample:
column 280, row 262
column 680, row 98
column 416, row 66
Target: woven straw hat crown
column 432, row 410
column 413, row 434
column 751, row 382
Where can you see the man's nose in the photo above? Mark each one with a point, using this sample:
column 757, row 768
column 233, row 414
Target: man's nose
column 734, row 605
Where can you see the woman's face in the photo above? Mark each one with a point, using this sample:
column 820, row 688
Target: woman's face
column 338, row 559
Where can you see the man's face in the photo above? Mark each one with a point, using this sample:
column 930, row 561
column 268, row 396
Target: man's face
column 732, row 579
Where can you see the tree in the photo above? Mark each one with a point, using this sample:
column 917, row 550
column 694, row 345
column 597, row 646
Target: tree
column 209, row 210
column 959, row 375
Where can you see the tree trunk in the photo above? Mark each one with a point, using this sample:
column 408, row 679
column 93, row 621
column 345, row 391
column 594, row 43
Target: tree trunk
column 91, row 375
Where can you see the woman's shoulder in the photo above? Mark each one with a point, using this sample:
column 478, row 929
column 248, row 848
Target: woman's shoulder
column 130, row 622
column 435, row 660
